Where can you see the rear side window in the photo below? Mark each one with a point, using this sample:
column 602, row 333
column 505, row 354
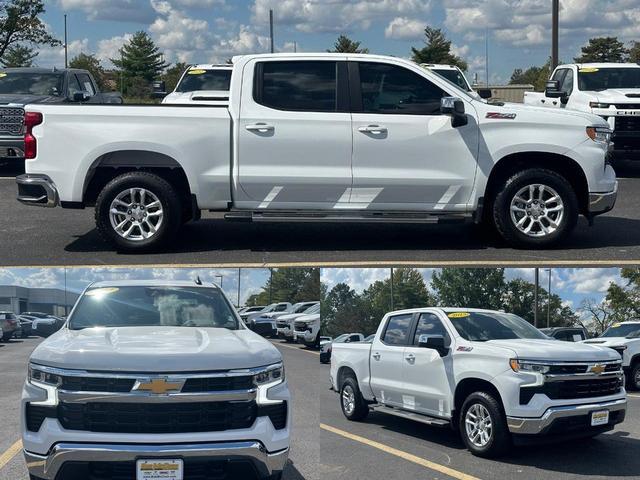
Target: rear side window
column 390, row 89
column 297, row 86
column 397, row 330
column 86, row 84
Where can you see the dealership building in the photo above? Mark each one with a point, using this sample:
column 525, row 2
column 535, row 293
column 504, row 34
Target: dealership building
column 55, row 301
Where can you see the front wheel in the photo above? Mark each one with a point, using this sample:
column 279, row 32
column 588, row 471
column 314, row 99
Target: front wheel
column 483, row 426
column 138, row 211
column 535, row 208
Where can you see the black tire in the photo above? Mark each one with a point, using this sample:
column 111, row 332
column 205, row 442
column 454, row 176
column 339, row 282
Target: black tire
column 500, row 208
column 633, row 381
column 360, row 408
column 166, row 194
column 6, row 337
column 500, row 438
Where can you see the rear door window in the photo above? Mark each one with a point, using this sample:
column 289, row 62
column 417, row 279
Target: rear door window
column 397, row 330
column 86, row 84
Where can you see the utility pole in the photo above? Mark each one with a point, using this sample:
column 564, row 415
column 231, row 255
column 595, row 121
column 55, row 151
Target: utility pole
column 555, row 27
column 295, row 47
column 66, row 44
column 239, row 275
column 220, row 277
column 270, row 285
column 486, row 55
column 271, row 28
column 535, row 298
column 549, row 300
column 391, row 288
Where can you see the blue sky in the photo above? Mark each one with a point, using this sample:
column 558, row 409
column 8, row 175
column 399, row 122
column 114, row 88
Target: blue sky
column 573, row 285
column 76, row 279
column 213, row 30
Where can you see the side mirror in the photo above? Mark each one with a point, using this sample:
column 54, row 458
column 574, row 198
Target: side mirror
column 552, row 90
column 433, row 342
column 82, row 96
column 454, row 107
column 485, row 93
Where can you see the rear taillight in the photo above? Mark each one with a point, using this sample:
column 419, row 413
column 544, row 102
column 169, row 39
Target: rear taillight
column 31, row 119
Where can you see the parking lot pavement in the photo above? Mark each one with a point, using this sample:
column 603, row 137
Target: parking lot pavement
column 301, row 367
column 72, row 240
column 383, row 446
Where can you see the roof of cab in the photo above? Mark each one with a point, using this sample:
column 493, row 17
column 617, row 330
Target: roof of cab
column 601, row 65
column 152, row 283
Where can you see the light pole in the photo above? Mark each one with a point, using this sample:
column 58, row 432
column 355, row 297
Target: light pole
column 391, row 288
column 555, row 27
column 66, row 44
column 239, row 275
column 549, row 300
column 535, row 298
column 271, row 28
column 220, row 277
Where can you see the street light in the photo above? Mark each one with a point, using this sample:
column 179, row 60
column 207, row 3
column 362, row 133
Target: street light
column 549, row 299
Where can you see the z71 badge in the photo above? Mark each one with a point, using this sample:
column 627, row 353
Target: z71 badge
column 502, row 116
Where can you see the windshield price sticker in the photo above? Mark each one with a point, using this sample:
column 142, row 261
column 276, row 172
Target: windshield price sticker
column 459, row 315
column 196, row 71
column 589, row 70
column 158, row 469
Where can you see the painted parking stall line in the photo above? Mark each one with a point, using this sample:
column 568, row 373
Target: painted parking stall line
column 11, row 452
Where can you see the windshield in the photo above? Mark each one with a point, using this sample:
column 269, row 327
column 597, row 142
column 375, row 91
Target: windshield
column 621, row 330
column 313, row 309
column 25, row 83
column 484, row 326
column 196, row 80
column 595, row 79
column 141, row 306
column 455, row 77
column 341, row 338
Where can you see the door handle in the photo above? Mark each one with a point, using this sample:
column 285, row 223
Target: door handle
column 260, row 127
column 375, row 129
column 376, row 356
column 410, row 358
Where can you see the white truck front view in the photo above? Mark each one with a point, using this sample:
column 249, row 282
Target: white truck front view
column 322, row 138
column 490, row 375
column 153, row 380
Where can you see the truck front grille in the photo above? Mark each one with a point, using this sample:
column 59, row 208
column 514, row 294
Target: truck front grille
column 12, row 121
column 157, row 418
column 300, row 327
column 97, row 384
column 282, row 324
column 573, row 389
column 627, row 124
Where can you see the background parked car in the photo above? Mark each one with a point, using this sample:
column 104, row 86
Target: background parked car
column 202, row 85
column 26, row 328
column 566, row 334
column 45, row 325
column 325, row 349
column 9, row 324
column 244, row 312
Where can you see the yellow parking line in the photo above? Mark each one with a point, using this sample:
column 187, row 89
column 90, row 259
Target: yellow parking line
column 399, row 453
column 296, row 348
column 11, row 452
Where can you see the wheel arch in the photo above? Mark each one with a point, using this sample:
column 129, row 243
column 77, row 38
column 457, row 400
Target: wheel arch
column 466, row 387
column 561, row 164
column 343, row 374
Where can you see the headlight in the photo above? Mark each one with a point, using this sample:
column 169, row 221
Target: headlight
column 43, row 378
column 529, row 367
column 272, row 374
column 599, row 105
column 599, row 134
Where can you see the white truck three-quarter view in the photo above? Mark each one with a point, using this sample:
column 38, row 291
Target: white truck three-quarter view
column 322, row 138
column 609, row 90
column 152, row 380
column 490, row 375
column 624, row 338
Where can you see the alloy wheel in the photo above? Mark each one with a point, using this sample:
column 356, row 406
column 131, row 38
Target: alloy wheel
column 537, row 210
column 136, row 214
column 478, row 425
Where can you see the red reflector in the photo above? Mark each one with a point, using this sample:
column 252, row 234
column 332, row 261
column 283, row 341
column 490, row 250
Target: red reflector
column 31, row 119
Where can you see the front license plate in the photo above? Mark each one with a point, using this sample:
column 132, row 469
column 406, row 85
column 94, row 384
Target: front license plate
column 159, row 469
column 599, row 418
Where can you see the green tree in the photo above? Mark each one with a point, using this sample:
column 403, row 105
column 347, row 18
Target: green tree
column 289, row 285
column 437, row 50
column 634, row 52
column 469, row 287
column 624, row 300
column 18, row 56
column 345, row 45
column 536, row 76
column 603, row 49
column 92, row 64
column 519, row 296
column 140, row 61
column 173, row 74
column 20, row 23
column 344, row 311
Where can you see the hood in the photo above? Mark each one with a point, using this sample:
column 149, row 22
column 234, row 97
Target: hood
column 24, row 99
column 205, row 97
column 312, row 317
column 155, row 349
column 617, row 95
column 611, row 341
column 555, row 350
column 560, row 115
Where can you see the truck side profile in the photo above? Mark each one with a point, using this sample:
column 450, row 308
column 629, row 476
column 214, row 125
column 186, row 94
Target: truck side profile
column 490, row 375
column 322, row 137
column 155, row 380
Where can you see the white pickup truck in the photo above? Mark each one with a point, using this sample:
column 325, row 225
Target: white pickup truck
column 624, row 338
column 490, row 375
column 322, row 138
column 154, row 380
column 609, row 90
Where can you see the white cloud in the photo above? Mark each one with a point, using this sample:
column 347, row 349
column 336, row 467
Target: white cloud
column 116, row 10
column 54, row 56
column 403, row 28
column 109, row 48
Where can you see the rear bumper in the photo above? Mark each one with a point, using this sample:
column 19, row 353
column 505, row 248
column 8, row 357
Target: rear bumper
column 48, row 466
column 37, row 190
column 542, row 425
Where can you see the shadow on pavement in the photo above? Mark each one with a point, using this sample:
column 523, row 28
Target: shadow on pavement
column 627, row 169
column 291, row 472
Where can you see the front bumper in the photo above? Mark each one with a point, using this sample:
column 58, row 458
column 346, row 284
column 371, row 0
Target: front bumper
column 600, row 203
column 37, row 190
column 47, row 466
column 538, row 426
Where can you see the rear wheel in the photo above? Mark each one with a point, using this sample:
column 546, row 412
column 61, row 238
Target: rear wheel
column 535, row 208
column 353, row 404
column 483, row 426
column 138, row 211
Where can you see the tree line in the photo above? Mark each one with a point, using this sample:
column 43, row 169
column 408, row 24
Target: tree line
column 288, row 285
column 345, row 310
